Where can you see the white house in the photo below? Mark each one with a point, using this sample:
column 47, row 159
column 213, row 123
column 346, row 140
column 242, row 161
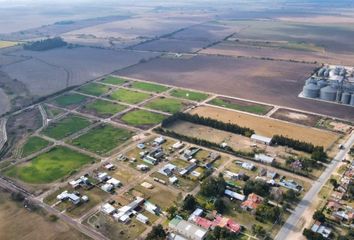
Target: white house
column 141, row 218
column 261, row 139
column 248, row 166
column 263, row 158
column 107, row 187
column 108, row 208
column 116, row 183
column 234, row 195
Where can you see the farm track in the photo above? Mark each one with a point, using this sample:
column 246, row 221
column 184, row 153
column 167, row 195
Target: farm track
column 3, row 132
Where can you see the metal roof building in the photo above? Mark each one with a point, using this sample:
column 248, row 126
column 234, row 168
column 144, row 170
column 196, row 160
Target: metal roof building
column 261, row 139
column 187, row 229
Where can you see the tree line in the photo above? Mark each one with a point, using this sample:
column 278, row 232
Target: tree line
column 45, row 44
column 206, row 121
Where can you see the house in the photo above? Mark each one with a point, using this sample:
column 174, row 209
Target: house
column 159, row 140
column 152, row 208
column 248, row 166
column 234, row 195
column 319, row 228
column 337, row 195
column 69, row 196
column 187, row 229
column 178, row 145
column 261, row 139
column 263, row 158
column 271, row 174
column 85, row 198
column 188, row 169
column 197, row 213
column 109, row 166
column 150, row 160
column 252, row 202
column 167, row 170
column 227, row 223
column 333, row 205
column 296, row 164
column 173, row 180
column 173, row 236
column 344, row 215
column 124, row 213
column 189, row 153
column 141, row 218
column 107, row 187
column 107, row 209
column 142, row 167
column 231, row 175
column 154, row 156
column 290, row 184
column 80, row 181
column 147, row 185
column 114, row 182
column 102, row 176
column 141, row 146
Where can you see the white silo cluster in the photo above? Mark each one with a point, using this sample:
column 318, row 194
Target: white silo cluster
column 331, row 83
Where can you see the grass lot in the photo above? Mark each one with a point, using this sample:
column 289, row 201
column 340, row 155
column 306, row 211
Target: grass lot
column 190, row 95
column 69, row 100
column 129, row 96
column 140, row 117
column 34, row 144
column 114, row 80
column 269, row 127
column 50, row 166
column 241, row 106
column 102, row 139
column 95, row 89
column 169, row 105
column 52, row 112
column 4, row 44
column 150, row 87
column 66, row 126
column 103, row 108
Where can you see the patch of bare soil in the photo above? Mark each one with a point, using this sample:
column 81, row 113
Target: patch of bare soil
column 296, row 117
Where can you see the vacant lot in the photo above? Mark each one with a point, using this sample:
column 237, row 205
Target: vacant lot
column 189, row 95
column 142, row 118
column 150, row 87
column 66, row 126
column 34, row 144
column 129, row 96
column 296, row 117
column 52, row 111
column 101, row 108
column 50, row 166
column 4, row 44
column 102, row 139
column 95, row 89
column 70, row 100
column 269, row 127
column 114, row 80
column 172, row 45
column 241, row 105
column 16, row 222
column 271, row 82
column 169, row 105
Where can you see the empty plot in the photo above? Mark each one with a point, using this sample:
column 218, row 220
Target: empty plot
column 172, row 45
column 50, row 166
column 142, row 118
column 66, row 126
column 241, row 105
column 70, row 100
column 189, row 95
column 169, row 105
column 34, row 144
column 95, row 89
column 102, row 139
column 129, row 96
column 296, row 117
column 114, row 80
column 269, row 127
column 102, row 108
column 150, row 87
column 4, row 44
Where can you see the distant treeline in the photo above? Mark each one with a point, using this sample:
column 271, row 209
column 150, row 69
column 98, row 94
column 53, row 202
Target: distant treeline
column 46, row 44
column 229, row 127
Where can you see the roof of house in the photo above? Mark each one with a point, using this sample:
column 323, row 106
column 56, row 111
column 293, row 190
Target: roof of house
column 261, row 138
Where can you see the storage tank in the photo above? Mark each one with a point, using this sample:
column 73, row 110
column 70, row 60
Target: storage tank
column 339, row 96
column 310, row 80
column 352, row 100
column 321, row 72
column 311, row 90
column 345, row 98
column 322, row 83
column 328, row 93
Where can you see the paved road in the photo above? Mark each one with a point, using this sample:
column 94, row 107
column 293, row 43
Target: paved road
column 3, row 133
column 309, row 197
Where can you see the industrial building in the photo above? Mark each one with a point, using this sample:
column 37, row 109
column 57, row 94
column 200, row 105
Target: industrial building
column 331, row 83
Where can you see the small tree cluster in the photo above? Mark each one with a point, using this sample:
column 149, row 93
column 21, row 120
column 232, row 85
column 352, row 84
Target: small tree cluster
column 157, row 233
column 46, row 44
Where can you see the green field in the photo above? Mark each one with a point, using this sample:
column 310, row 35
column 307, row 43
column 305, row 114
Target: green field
column 129, row 96
column 52, row 111
column 95, row 89
column 242, row 106
column 190, row 95
column 66, row 126
column 114, row 80
column 102, row 139
column 49, row 166
column 169, row 105
column 140, row 117
column 71, row 99
column 150, row 87
column 103, row 108
column 34, row 144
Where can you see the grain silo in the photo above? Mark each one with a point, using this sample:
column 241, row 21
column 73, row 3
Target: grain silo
column 328, row 93
column 352, row 100
column 339, row 96
column 311, row 90
column 322, row 83
column 345, row 98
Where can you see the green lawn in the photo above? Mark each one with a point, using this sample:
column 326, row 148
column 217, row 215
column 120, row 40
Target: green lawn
column 129, row 96
column 70, row 99
column 114, row 80
column 142, row 118
column 34, row 144
column 150, row 87
column 102, row 139
column 95, row 89
column 169, row 105
column 103, row 108
column 52, row 111
column 49, row 166
column 190, row 95
column 249, row 107
column 66, row 126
